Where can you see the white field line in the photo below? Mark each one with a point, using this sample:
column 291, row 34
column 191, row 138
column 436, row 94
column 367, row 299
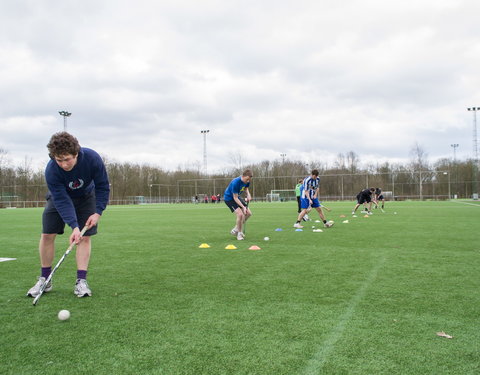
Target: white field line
column 315, row 364
column 7, row 259
column 470, row 204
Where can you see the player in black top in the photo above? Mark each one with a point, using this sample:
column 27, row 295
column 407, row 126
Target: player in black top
column 379, row 197
column 364, row 197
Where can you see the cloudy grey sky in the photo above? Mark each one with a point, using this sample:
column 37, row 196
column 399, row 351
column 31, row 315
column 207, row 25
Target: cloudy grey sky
column 310, row 79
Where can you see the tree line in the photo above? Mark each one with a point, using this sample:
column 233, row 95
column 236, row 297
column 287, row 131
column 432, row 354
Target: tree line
column 343, row 179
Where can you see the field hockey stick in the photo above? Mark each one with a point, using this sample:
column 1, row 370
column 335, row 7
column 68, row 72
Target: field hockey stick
column 328, row 209
column 245, row 220
column 49, row 278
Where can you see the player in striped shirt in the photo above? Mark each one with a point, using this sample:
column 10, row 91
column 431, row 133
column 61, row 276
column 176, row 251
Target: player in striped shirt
column 309, row 198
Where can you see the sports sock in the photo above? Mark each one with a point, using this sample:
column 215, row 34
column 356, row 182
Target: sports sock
column 82, row 274
column 46, row 271
column 298, row 222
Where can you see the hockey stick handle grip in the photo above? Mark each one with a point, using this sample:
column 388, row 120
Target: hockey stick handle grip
column 85, row 228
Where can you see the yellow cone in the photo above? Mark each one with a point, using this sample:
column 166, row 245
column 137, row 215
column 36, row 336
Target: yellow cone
column 230, row 247
column 204, row 246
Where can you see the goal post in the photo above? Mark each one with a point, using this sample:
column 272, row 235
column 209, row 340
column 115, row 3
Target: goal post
column 281, row 195
column 273, row 197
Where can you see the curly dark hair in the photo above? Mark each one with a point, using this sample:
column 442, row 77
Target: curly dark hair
column 63, row 143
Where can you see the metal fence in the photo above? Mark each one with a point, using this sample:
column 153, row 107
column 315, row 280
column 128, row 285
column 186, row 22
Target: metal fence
column 422, row 185
column 406, row 185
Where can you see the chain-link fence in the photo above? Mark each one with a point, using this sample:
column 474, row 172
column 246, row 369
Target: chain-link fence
column 435, row 185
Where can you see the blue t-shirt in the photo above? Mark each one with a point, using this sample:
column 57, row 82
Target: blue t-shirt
column 88, row 174
column 236, row 186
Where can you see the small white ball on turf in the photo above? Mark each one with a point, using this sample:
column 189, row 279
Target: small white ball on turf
column 63, row 314
column 266, row 238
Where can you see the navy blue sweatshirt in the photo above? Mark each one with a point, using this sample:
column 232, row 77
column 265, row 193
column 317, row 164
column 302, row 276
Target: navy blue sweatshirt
column 88, row 174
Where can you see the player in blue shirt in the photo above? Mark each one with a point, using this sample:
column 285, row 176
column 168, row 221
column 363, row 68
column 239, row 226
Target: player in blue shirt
column 78, row 191
column 237, row 204
column 309, row 199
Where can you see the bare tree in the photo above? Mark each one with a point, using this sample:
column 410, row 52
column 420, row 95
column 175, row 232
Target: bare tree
column 353, row 161
column 418, row 158
column 3, row 159
column 237, row 159
column 339, row 163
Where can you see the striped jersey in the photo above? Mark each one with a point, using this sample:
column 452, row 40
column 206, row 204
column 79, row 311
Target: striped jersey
column 310, row 185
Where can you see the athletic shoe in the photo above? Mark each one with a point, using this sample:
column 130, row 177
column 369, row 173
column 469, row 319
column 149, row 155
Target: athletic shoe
column 240, row 236
column 82, row 289
column 369, row 213
column 297, row 225
column 35, row 290
column 364, row 212
column 234, row 231
column 353, row 212
column 306, row 218
column 328, row 224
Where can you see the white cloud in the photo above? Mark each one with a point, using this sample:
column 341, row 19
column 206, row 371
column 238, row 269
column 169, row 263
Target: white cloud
column 306, row 78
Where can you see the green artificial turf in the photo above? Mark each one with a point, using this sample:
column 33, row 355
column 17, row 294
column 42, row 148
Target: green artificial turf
column 365, row 297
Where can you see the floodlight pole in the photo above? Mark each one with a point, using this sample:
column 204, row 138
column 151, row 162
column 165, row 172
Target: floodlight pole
column 449, row 189
column 283, row 158
column 204, row 132
column 393, row 185
column 454, row 146
column 65, row 114
column 475, row 153
column 420, row 182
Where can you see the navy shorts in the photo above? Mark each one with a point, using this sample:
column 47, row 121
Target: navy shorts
column 363, row 198
column 233, row 205
column 85, row 207
column 380, row 197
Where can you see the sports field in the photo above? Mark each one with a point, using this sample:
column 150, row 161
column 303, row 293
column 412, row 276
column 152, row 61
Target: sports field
column 365, row 297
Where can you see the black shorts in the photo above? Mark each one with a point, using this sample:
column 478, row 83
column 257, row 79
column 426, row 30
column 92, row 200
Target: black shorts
column 363, row 198
column 380, row 197
column 53, row 223
column 233, row 205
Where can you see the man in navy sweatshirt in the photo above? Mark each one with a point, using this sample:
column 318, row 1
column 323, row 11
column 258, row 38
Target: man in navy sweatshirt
column 78, row 191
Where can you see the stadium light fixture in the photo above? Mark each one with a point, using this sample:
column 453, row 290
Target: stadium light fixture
column 65, row 114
